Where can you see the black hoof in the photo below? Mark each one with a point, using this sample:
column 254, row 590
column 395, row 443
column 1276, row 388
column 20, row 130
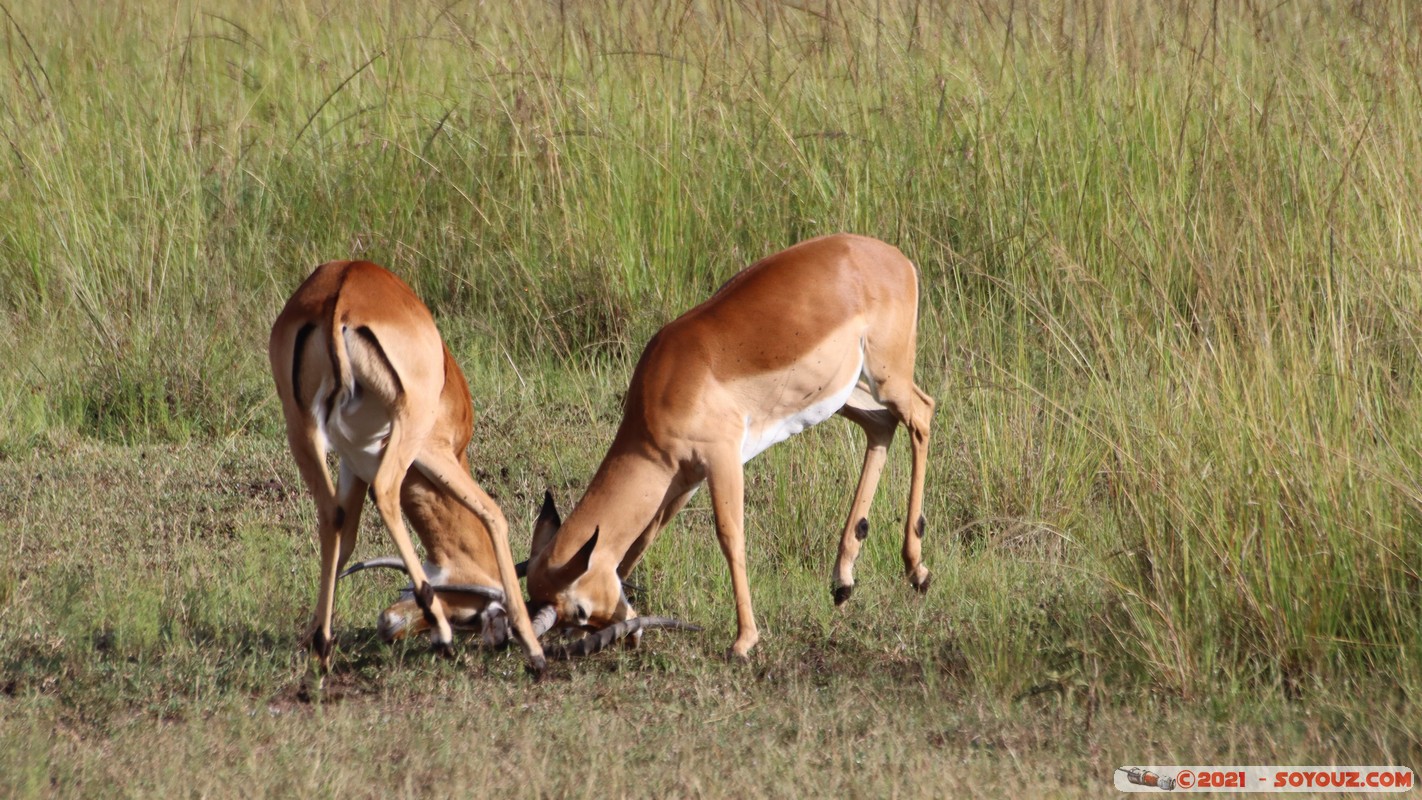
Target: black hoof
column 424, row 598
column 323, row 645
column 537, row 668
column 442, row 649
column 922, row 586
column 842, row 593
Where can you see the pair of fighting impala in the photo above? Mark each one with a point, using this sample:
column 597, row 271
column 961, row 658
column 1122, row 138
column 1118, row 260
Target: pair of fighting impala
column 827, row 326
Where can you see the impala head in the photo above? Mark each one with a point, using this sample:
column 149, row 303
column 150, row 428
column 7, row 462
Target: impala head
column 573, row 594
column 467, row 606
column 583, row 590
column 403, row 618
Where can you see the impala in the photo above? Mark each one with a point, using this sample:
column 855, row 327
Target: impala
column 361, row 369
column 827, row 326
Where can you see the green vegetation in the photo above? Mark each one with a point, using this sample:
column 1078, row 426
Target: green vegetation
column 1170, row 290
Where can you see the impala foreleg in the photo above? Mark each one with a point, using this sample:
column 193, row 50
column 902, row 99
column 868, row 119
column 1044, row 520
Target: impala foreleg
column 727, row 483
column 677, row 497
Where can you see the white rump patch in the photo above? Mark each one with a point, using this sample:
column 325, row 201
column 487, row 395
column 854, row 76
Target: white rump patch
column 357, row 430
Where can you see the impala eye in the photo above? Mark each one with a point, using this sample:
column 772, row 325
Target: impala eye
column 581, row 613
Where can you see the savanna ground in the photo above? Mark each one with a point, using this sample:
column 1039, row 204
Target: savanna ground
column 1170, row 279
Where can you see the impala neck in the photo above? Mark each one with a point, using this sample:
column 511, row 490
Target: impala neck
column 625, row 494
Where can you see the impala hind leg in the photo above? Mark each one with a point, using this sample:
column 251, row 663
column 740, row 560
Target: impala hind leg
column 350, row 499
column 386, row 487
column 727, row 483
column 889, row 365
column 447, row 472
column 338, row 535
column 308, row 449
column 879, row 426
column 914, row 408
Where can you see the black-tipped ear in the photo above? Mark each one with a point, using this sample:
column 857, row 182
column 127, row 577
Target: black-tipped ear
column 578, row 564
column 549, row 513
column 546, row 526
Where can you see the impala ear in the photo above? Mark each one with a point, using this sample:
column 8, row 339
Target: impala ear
column 578, row 564
column 549, row 512
column 547, row 525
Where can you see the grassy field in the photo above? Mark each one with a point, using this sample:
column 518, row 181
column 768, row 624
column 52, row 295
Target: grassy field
column 1170, row 276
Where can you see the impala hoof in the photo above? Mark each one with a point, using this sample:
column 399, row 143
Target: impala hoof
column 311, row 686
column 537, row 667
column 444, row 650
column 842, row 593
column 319, row 666
column 740, row 650
column 920, row 580
column 321, row 648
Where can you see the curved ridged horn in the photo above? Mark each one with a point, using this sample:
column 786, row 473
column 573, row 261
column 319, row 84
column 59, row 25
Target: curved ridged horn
column 599, row 640
column 388, row 562
column 469, row 588
column 543, row 620
column 395, row 562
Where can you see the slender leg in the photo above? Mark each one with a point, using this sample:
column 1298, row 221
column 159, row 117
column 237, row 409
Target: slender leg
column 728, row 500
column 350, row 496
column 917, row 420
column 445, row 471
column 338, row 533
column 388, row 477
column 634, row 553
column 308, row 449
column 671, row 509
column 879, row 427
column 889, row 361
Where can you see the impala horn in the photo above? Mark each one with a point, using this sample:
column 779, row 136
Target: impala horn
column 394, row 562
column 601, row 639
column 387, row 562
column 543, row 620
column 470, row 588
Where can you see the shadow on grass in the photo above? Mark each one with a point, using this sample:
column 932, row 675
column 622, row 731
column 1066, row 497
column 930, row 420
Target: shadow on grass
column 824, row 661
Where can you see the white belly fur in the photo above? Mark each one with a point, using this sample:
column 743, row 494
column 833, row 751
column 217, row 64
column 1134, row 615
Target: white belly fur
column 754, row 442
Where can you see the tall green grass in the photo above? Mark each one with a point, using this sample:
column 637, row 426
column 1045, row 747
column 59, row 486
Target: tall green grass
column 1169, row 256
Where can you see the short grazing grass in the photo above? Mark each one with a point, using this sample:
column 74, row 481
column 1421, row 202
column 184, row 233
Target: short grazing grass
column 151, row 648
column 1169, row 275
